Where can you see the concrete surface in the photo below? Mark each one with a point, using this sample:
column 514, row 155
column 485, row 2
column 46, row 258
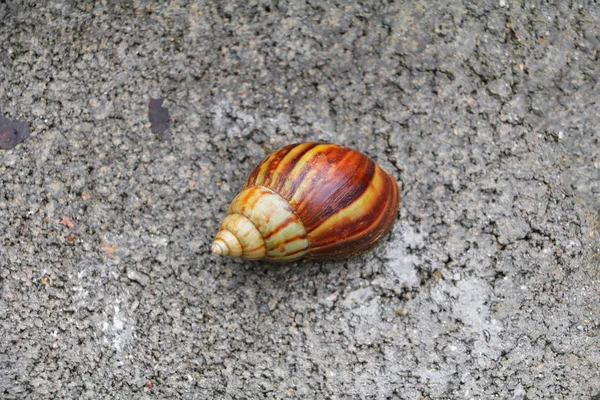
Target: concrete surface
column 487, row 112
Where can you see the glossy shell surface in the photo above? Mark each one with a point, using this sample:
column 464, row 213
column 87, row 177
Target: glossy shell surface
column 312, row 200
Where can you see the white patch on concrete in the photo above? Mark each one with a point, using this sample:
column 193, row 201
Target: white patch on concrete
column 403, row 264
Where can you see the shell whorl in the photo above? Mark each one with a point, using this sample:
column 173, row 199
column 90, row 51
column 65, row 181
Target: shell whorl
column 313, row 200
column 277, row 234
column 238, row 237
column 344, row 199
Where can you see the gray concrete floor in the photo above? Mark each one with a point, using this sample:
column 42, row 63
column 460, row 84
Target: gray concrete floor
column 486, row 112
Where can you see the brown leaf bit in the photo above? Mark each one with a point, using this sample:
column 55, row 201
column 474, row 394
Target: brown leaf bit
column 66, row 221
column 71, row 238
column 158, row 116
column 12, row 132
column 109, row 249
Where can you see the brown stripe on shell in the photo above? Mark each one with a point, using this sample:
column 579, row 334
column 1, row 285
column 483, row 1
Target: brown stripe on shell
column 338, row 190
column 358, row 236
column 268, row 164
column 294, row 238
column 282, row 225
column 275, row 166
column 271, row 167
column 274, row 219
column 320, row 164
column 254, row 249
column 369, row 213
column 285, row 173
column 291, row 254
column 248, row 199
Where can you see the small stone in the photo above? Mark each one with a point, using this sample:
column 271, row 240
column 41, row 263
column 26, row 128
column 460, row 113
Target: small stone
column 66, row 221
column 138, row 277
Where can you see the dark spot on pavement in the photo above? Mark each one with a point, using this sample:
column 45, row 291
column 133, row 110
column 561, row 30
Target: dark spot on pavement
column 158, row 116
column 12, row 132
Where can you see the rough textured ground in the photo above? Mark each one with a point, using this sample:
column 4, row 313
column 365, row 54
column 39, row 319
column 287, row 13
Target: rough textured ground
column 486, row 112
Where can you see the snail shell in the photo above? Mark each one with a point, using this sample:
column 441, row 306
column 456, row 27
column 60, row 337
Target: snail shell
column 312, row 200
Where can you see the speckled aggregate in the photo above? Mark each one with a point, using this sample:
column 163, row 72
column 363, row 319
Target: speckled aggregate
column 485, row 111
